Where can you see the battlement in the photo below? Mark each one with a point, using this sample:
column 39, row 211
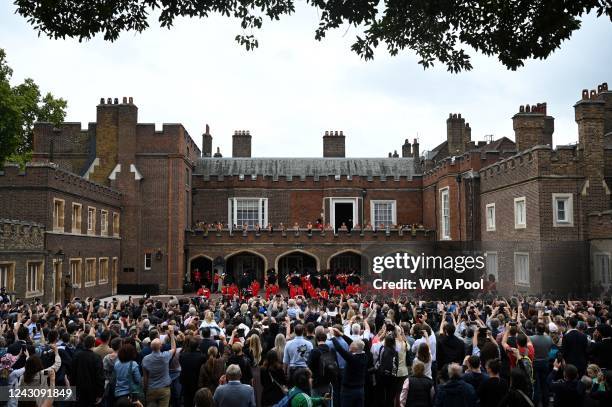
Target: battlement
column 21, row 235
column 469, row 161
column 50, row 174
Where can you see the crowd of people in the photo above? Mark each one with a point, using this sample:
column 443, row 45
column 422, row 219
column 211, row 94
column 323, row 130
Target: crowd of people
column 347, row 350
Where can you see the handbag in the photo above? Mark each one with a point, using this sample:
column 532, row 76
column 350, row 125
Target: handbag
column 136, row 392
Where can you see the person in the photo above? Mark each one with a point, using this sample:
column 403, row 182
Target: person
column 568, row 391
column 103, row 348
column 473, row 375
column 237, row 357
column 191, row 361
column 36, row 376
column 493, row 388
column 353, row 379
column 450, row 349
column 127, row 373
column 542, row 344
column 418, row 390
column 67, row 285
column 386, row 365
column 574, row 347
column 296, row 351
column 155, row 366
column 323, row 364
column 108, row 364
column 212, row 370
column 233, row 393
column 601, row 349
column 517, row 395
column 273, row 379
column 88, row 374
column 455, row 392
column 202, row 398
column 299, row 395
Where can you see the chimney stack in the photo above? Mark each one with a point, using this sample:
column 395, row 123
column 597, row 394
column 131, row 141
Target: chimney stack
column 458, row 134
column 532, row 127
column 406, row 149
column 333, row 144
column 207, row 143
column 241, row 143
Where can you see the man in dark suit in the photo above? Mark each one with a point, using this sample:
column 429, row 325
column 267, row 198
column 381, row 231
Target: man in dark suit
column 88, row 375
column 574, row 347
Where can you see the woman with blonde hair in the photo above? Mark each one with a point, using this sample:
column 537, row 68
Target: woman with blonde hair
column 209, row 322
column 254, row 349
column 279, row 345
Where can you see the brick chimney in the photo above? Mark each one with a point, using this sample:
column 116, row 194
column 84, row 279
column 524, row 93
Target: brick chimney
column 207, row 143
column 458, row 134
column 415, row 149
column 606, row 95
column 241, row 143
column 406, row 149
column 333, row 144
column 532, row 127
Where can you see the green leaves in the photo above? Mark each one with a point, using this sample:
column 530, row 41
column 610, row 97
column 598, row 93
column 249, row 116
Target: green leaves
column 438, row 31
column 20, row 107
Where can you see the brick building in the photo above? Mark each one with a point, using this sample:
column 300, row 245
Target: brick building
column 540, row 214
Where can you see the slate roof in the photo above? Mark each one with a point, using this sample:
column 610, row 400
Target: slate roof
column 305, row 167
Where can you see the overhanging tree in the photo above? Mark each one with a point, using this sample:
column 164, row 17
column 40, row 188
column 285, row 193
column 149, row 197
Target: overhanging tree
column 436, row 30
column 20, row 107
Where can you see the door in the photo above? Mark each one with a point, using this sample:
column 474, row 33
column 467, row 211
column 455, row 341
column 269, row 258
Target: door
column 343, row 215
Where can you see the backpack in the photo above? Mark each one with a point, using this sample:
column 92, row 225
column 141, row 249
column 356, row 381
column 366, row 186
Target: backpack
column 286, row 400
column 525, row 364
column 328, row 366
column 47, row 357
column 387, row 362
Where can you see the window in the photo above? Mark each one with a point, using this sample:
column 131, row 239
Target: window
column 147, row 261
column 91, row 220
column 520, row 213
column 7, row 276
column 58, row 215
column 444, row 214
column 90, row 272
column 115, row 224
column 491, row 264
column 249, row 211
column 104, row 222
column 34, row 279
column 521, row 269
column 75, row 272
column 563, row 211
column 76, row 217
column 490, row 217
column 103, row 274
column 383, row 214
column 602, row 269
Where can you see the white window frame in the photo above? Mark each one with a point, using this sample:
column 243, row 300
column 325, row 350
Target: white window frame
column 92, row 282
column 445, row 227
column 332, row 209
column 100, row 261
column 569, row 210
column 91, row 222
column 232, row 211
column 517, row 223
column 103, row 222
column 77, row 229
column 77, row 278
column 39, row 285
column 488, row 256
column 9, row 279
column 518, row 279
column 606, row 282
column 57, row 217
column 490, row 220
column 373, row 204
column 148, row 258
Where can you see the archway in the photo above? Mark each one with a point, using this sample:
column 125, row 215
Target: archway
column 200, row 267
column 295, row 261
column 245, row 264
column 347, row 261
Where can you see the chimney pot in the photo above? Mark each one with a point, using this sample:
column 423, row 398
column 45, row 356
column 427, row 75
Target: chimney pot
column 585, row 94
column 207, row 129
column 459, row 116
column 101, row 101
column 521, row 109
column 593, row 94
column 116, row 101
column 599, row 88
column 327, row 132
column 450, row 115
column 124, row 100
column 109, row 101
column 131, row 100
column 341, row 133
column 604, row 86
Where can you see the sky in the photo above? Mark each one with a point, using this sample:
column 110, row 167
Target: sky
column 292, row 89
